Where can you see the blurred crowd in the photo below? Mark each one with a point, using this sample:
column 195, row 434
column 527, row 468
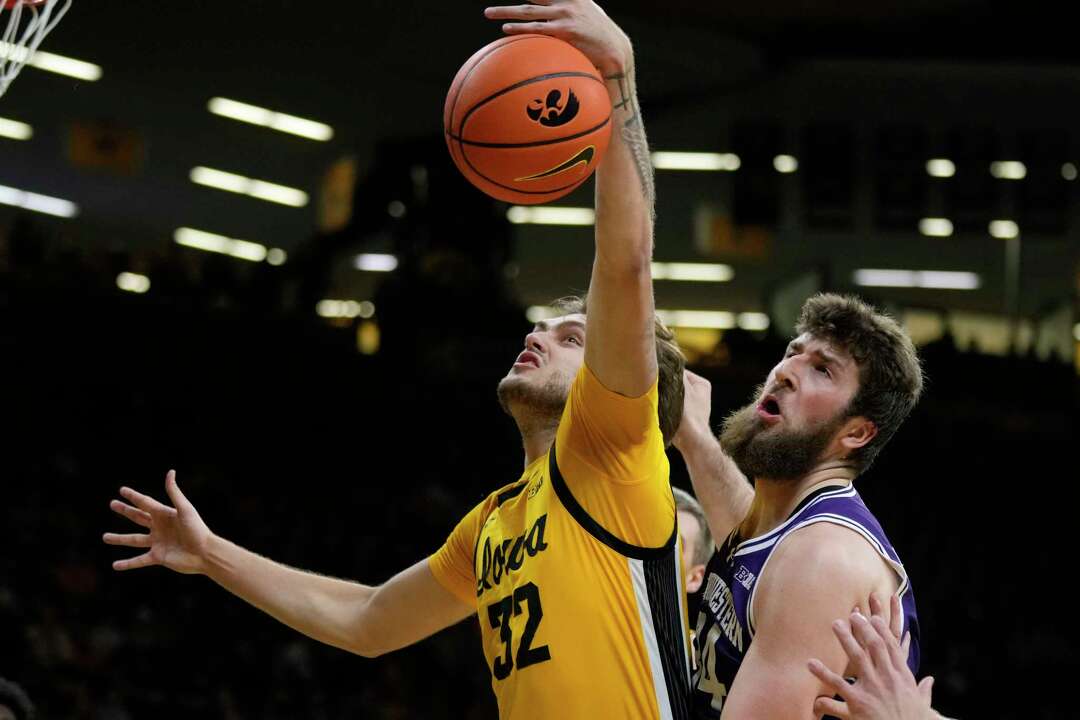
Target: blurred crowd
column 291, row 443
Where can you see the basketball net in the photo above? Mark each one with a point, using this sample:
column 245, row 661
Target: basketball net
column 26, row 25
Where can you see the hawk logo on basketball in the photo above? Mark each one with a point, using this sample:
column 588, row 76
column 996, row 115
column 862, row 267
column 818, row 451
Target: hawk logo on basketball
column 550, row 113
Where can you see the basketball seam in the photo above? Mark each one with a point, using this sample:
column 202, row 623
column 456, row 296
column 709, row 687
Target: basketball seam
column 453, row 105
column 539, row 78
column 538, row 143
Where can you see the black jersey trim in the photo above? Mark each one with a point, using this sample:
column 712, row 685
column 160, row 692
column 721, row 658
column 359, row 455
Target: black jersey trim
column 595, row 529
column 512, row 492
column 664, row 592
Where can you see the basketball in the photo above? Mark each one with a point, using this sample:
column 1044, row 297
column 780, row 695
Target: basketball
column 527, row 119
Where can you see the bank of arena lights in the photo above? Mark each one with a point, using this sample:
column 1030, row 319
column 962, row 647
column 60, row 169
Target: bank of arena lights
column 345, row 309
column 927, row 279
column 241, row 249
column 243, row 112
column 259, row 189
column 785, row 164
column 1004, row 229
column 375, row 262
column 695, row 319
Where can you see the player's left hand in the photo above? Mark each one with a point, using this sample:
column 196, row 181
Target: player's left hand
column 582, row 23
column 885, row 689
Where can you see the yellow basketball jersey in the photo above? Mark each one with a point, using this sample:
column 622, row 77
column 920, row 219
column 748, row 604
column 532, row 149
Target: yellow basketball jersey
column 575, row 571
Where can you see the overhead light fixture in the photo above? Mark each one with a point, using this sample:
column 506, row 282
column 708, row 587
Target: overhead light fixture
column 231, row 182
column 375, row 262
column 345, row 309
column 51, row 62
column 928, row 279
column 1068, row 171
column 696, row 161
column 936, row 227
column 15, row 130
column 1008, row 170
column 276, row 256
column 1004, row 229
column 785, row 164
column 37, row 203
column 212, row 242
column 940, row 168
column 548, row 215
column 692, row 272
column 132, row 282
column 753, row 321
column 719, row 319
column 281, row 122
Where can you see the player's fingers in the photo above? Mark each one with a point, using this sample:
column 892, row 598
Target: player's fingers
column 855, row 653
column 543, row 11
column 135, row 515
column 173, row 490
column 889, row 641
column 896, row 616
column 905, row 646
column 829, row 706
column 542, row 28
column 134, row 563
column 868, row 637
column 833, row 682
column 926, row 688
column 145, row 502
column 138, row 540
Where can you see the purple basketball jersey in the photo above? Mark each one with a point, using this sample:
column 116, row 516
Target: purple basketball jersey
column 725, row 621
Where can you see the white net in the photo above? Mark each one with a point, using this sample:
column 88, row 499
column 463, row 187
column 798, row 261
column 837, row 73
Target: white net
column 23, row 25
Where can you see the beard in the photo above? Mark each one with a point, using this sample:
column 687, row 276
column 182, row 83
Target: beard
column 777, row 454
column 533, row 406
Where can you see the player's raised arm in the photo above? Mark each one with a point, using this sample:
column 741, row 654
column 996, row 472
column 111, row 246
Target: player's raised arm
column 620, row 349
column 723, row 491
column 362, row 619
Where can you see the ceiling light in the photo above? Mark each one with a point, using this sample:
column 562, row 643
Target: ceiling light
column 276, row 256
column 37, row 203
column 212, row 242
column 269, row 118
column 50, row 62
column 936, row 227
column 1068, row 171
column 718, row 319
column 696, row 161
column 940, row 168
column 1008, row 170
column 785, row 164
column 132, row 282
column 548, row 215
column 15, row 130
column 231, row 182
column 1004, row 229
column 929, row 279
column 753, row 321
column 375, row 262
column 692, row 272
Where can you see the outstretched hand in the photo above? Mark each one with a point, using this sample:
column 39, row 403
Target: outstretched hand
column 884, row 689
column 177, row 537
column 582, row 23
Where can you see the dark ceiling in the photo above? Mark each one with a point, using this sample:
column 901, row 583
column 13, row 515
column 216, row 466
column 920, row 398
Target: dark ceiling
column 379, row 69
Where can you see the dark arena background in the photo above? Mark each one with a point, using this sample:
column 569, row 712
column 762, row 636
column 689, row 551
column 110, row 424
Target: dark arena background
column 326, row 388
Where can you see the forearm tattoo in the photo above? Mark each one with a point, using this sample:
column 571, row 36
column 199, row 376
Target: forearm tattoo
column 633, row 134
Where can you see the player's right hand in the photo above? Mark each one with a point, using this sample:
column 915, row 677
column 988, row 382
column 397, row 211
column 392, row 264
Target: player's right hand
column 177, row 537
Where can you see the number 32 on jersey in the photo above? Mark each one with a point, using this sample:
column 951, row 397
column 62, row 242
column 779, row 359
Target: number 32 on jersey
column 525, row 600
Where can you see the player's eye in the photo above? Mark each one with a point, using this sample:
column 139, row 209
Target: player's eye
column 574, row 339
column 824, row 369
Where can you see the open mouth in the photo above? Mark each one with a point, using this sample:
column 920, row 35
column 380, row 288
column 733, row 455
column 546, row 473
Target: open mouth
column 528, row 358
column 769, row 407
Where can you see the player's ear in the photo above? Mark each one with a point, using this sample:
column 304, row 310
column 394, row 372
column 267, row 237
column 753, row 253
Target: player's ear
column 857, row 433
column 694, row 578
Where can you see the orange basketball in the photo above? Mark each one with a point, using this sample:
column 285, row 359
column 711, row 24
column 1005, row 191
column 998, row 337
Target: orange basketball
column 527, row 119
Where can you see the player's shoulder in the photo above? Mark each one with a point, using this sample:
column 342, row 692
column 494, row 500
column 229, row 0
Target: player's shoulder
column 822, row 550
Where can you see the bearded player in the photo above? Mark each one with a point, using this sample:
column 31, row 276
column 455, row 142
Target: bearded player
column 573, row 570
column 801, row 548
